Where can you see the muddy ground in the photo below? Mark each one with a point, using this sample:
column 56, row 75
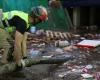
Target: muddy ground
column 52, row 71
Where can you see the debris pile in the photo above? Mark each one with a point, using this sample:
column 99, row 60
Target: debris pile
column 83, row 64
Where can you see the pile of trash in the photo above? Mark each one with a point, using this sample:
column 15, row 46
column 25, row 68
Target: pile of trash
column 84, row 66
column 83, row 54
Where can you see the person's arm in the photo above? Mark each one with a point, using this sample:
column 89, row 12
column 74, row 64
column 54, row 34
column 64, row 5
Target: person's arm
column 20, row 39
column 24, row 46
column 18, row 48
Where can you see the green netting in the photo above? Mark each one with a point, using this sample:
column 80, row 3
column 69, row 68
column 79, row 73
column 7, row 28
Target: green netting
column 56, row 20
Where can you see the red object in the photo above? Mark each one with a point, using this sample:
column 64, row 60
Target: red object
column 88, row 44
column 85, row 46
column 42, row 18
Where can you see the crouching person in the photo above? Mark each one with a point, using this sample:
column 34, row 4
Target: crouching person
column 22, row 22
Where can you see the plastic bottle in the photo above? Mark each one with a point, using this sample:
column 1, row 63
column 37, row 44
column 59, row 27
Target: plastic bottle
column 34, row 53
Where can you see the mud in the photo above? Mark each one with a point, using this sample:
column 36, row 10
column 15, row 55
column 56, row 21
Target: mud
column 52, row 72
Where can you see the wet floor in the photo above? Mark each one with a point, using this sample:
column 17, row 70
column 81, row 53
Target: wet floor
column 50, row 71
column 36, row 72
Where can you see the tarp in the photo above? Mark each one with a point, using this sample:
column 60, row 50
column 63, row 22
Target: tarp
column 78, row 3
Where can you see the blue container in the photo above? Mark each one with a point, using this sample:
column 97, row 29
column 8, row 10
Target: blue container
column 32, row 29
column 34, row 53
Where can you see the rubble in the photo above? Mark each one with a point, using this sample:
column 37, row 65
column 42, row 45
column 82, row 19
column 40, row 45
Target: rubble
column 63, row 44
column 58, row 35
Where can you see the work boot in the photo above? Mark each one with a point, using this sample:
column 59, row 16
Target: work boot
column 20, row 65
